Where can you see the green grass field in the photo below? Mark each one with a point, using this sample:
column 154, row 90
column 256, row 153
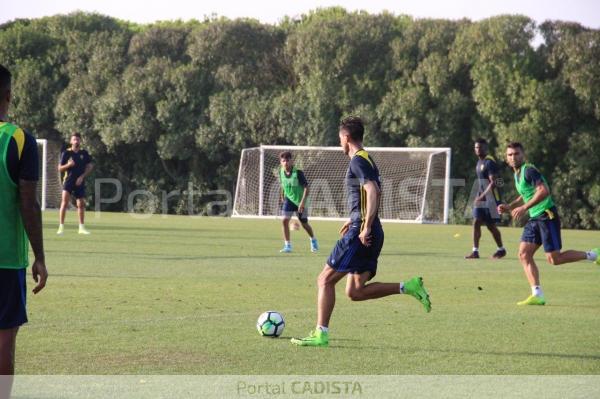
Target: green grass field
column 179, row 295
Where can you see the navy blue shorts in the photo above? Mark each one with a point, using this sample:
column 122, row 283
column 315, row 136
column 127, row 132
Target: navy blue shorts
column 288, row 208
column 486, row 214
column 544, row 230
column 13, row 296
column 350, row 256
column 74, row 190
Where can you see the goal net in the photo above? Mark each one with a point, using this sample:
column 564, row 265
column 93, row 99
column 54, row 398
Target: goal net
column 415, row 182
column 49, row 186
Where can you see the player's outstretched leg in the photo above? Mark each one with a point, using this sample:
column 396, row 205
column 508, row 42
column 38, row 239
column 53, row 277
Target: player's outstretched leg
column 415, row 288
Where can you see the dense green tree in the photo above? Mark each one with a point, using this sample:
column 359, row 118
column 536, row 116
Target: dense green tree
column 170, row 103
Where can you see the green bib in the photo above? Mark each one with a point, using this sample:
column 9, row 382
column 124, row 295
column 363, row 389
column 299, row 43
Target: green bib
column 527, row 191
column 291, row 186
column 14, row 244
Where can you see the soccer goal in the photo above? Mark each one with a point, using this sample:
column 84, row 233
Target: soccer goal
column 415, row 182
column 49, row 186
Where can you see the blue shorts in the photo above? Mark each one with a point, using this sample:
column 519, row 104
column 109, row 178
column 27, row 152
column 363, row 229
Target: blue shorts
column 544, row 230
column 13, row 295
column 74, row 190
column 487, row 214
column 350, row 256
column 288, row 208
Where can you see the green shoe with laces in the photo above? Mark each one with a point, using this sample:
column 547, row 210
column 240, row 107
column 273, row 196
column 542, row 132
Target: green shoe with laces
column 415, row 288
column 315, row 338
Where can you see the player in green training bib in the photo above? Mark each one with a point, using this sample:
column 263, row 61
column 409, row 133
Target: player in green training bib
column 543, row 227
column 294, row 193
column 20, row 225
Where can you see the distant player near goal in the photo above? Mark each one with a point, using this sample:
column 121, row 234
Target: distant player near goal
column 356, row 253
column 76, row 164
column 294, row 193
column 487, row 200
column 543, row 227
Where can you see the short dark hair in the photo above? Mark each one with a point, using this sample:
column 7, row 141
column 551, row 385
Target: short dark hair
column 285, row 155
column 5, row 79
column 354, row 126
column 481, row 140
column 78, row 135
column 514, row 145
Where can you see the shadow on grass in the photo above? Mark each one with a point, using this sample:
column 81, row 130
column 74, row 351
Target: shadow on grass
column 161, row 232
column 146, row 255
column 470, row 352
column 111, row 277
column 535, row 354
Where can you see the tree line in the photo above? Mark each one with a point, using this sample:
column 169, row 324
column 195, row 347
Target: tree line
column 169, row 103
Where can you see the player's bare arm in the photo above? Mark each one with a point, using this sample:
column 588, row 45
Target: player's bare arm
column 65, row 167
column 541, row 192
column 491, row 185
column 32, row 221
column 505, row 208
column 88, row 169
column 372, row 197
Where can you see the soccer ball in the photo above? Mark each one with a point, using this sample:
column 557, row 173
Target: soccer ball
column 270, row 324
column 294, row 225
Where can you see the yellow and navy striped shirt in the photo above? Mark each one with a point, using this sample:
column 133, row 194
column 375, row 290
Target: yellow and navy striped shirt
column 362, row 168
column 485, row 168
column 22, row 160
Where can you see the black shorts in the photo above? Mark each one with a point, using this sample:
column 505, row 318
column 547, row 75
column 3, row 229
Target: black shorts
column 544, row 230
column 350, row 256
column 76, row 191
column 13, row 297
column 289, row 208
column 488, row 213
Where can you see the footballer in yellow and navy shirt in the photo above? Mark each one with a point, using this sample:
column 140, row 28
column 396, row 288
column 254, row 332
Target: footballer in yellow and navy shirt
column 21, row 161
column 349, row 255
column 81, row 158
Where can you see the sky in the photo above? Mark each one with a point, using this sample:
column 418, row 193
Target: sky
column 586, row 12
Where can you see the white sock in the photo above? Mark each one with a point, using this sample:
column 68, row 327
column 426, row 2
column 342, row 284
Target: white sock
column 288, row 243
column 536, row 290
column 402, row 287
column 591, row 256
column 475, row 249
column 323, row 328
column 501, row 249
column 81, row 226
column 61, row 225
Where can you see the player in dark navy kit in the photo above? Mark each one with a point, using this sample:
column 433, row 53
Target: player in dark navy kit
column 76, row 164
column 356, row 253
column 487, row 200
column 21, row 224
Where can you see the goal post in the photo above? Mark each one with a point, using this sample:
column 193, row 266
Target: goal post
column 49, row 188
column 415, row 182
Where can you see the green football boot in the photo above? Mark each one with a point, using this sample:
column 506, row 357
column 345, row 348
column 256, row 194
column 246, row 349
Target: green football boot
column 597, row 252
column 316, row 338
column 414, row 287
column 533, row 300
